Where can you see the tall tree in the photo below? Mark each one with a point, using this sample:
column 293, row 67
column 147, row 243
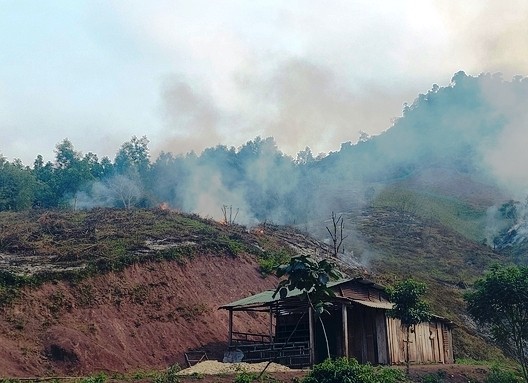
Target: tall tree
column 65, row 154
column 133, row 156
column 500, row 300
column 409, row 308
column 71, row 173
column 45, row 196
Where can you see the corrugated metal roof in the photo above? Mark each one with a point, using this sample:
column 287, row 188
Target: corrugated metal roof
column 263, row 297
column 266, row 297
column 372, row 304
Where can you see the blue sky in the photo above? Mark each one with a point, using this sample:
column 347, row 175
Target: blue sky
column 193, row 74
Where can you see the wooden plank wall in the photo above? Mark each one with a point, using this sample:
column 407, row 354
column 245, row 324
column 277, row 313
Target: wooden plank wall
column 362, row 292
column 429, row 343
column 362, row 336
column 381, row 335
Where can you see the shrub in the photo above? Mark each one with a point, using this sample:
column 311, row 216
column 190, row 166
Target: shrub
column 498, row 375
column 169, row 375
column 271, row 260
column 350, row 371
column 245, row 377
column 99, row 378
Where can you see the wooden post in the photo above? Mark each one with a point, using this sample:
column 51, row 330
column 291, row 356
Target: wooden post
column 344, row 318
column 230, row 327
column 312, row 335
column 271, row 324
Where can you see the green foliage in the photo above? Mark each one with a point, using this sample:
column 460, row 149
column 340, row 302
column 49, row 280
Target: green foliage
column 498, row 375
column 98, row 378
column 473, row 362
column 179, row 254
column 245, row 377
column 308, row 275
column 9, row 287
column 107, row 240
column 437, row 377
column 133, row 156
column 170, row 375
column 311, row 277
column 456, row 214
column 17, row 186
column 343, row 370
column 409, row 307
column 269, row 261
column 232, row 244
column 500, row 300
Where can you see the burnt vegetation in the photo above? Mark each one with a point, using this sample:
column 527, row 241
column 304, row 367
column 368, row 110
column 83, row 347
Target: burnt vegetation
column 38, row 246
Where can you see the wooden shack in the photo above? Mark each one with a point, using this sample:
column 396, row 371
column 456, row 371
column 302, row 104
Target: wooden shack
column 357, row 325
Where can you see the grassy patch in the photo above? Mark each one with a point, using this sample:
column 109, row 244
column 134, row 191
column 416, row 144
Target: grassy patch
column 269, row 260
column 455, row 214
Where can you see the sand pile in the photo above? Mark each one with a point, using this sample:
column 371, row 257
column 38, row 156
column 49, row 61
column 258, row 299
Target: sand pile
column 213, row 367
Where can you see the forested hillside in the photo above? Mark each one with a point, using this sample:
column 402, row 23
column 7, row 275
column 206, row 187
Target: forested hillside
column 438, row 197
column 467, row 129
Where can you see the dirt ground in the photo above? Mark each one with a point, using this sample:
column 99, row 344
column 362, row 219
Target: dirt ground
column 449, row 373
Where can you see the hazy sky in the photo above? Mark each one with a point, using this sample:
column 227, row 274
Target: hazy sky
column 193, row 74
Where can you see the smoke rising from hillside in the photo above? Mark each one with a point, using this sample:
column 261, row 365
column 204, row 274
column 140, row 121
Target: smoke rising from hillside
column 464, row 141
column 507, row 155
column 298, row 102
column 474, row 126
column 193, row 119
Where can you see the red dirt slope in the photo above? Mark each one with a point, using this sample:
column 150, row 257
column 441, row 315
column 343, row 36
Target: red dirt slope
column 142, row 318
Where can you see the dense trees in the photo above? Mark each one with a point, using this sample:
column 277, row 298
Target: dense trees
column 18, row 186
column 250, row 178
column 267, row 185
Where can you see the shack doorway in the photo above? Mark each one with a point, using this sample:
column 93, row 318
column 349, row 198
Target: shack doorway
column 333, row 325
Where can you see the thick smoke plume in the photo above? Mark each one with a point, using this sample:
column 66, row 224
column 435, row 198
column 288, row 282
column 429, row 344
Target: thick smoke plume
column 466, row 140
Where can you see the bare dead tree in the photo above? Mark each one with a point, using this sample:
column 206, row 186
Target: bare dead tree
column 227, row 211
column 336, row 232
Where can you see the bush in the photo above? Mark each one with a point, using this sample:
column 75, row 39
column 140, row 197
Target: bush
column 345, row 370
column 99, row 378
column 245, row 377
column 271, row 260
column 169, row 376
column 498, row 375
